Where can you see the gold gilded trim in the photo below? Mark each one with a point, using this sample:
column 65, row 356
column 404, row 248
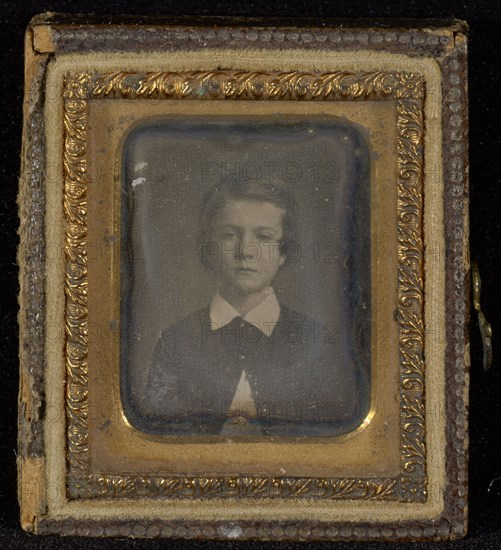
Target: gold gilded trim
column 407, row 90
column 257, row 85
column 76, row 322
column 106, row 486
column 410, row 296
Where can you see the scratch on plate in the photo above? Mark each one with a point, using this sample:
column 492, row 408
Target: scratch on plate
column 138, row 181
column 139, row 166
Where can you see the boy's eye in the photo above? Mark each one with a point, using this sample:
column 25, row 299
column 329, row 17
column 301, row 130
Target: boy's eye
column 228, row 235
column 264, row 237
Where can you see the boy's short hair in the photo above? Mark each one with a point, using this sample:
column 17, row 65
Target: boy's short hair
column 220, row 194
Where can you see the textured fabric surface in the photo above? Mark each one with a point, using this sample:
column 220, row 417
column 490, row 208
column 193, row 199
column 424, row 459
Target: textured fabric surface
column 484, row 18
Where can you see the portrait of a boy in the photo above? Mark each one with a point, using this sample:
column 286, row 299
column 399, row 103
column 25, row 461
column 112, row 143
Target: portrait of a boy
column 246, row 277
column 246, row 364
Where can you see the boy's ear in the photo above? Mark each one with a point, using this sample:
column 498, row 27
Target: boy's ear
column 281, row 261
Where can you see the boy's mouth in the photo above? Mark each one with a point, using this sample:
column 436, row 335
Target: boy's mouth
column 245, row 270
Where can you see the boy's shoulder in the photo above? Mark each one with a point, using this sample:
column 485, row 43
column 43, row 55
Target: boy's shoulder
column 305, row 328
column 290, row 315
column 191, row 324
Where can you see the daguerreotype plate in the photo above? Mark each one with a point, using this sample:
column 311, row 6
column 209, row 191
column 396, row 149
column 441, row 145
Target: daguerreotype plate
column 244, row 276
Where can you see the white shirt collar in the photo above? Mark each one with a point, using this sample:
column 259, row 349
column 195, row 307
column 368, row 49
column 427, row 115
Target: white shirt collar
column 264, row 316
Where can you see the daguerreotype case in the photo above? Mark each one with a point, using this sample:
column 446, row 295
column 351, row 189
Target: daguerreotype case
column 244, row 273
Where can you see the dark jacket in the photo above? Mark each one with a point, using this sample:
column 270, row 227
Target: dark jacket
column 297, row 385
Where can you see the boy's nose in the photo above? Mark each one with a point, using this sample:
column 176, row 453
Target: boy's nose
column 248, row 249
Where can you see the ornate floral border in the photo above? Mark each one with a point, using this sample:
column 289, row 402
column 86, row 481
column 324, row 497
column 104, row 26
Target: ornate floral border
column 407, row 90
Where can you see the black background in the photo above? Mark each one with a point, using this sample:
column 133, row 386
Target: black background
column 484, row 19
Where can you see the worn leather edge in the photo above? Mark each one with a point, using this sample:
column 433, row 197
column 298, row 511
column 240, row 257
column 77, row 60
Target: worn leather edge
column 31, row 260
column 456, row 199
column 64, row 33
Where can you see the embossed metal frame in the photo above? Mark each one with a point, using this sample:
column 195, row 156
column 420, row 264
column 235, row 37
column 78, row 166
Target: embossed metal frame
column 407, row 89
column 59, row 44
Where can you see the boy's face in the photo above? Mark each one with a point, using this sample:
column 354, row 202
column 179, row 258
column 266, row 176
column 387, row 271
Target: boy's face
column 248, row 234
